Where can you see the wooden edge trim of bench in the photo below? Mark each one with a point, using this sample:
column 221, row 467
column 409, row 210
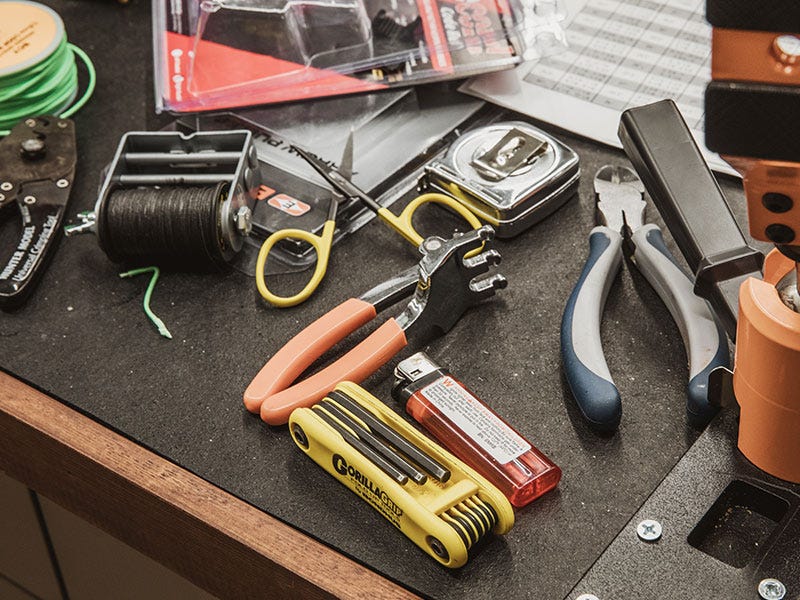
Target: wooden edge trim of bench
column 220, row 543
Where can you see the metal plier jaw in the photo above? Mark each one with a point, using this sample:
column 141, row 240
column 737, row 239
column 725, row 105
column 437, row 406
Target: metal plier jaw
column 442, row 287
column 37, row 170
column 449, row 283
column 619, row 196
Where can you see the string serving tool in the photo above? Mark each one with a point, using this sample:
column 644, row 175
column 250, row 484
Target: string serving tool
column 174, row 200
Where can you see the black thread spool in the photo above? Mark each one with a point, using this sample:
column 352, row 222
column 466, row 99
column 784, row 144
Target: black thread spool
column 176, row 227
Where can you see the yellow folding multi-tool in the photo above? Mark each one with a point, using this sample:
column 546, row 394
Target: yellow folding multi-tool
column 437, row 501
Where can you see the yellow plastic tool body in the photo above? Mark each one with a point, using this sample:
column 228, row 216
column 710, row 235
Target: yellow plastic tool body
column 445, row 519
column 403, row 223
column 322, row 246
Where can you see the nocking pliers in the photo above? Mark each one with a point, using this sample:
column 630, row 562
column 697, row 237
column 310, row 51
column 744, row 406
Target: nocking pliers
column 445, row 283
column 620, row 212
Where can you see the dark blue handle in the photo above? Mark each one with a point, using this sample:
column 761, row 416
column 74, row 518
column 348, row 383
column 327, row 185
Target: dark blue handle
column 581, row 350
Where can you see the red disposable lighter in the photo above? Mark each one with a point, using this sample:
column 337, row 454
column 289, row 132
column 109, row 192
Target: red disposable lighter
column 472, row 431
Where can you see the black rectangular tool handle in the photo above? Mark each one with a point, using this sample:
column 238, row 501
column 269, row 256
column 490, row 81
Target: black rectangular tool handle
column 674, row 172
column 765, row 15
column 753, row 119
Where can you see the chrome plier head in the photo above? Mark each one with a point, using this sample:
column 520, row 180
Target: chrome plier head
column 442, row 287
column 449, row 283
column 619, row 197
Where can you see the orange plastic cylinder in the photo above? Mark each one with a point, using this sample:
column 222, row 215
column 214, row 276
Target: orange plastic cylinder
column 766, row 379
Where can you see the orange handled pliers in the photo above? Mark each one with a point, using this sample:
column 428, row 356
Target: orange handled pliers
column 444, row 284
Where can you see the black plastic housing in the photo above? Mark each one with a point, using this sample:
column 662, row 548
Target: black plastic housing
column 663, row 152
column 753, row 120
column 767, row 15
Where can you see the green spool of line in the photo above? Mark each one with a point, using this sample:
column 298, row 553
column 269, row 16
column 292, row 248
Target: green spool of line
column 38, row 70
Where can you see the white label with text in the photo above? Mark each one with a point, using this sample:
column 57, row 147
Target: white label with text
column 473, row 418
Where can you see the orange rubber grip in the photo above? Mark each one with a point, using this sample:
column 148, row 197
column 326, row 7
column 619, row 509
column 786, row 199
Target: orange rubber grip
column 358, row 364
column 302, row 350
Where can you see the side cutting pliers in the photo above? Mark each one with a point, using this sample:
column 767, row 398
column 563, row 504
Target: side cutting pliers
column 620, row 212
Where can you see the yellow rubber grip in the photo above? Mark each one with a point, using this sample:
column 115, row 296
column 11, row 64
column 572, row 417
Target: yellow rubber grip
column 322, row 246
column 402, row 223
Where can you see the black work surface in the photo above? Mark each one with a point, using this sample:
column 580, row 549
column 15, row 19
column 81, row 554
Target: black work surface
column 84, row 339
column 753, row 536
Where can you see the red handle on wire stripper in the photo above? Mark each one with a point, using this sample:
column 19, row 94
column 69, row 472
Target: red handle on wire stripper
column 271, row 393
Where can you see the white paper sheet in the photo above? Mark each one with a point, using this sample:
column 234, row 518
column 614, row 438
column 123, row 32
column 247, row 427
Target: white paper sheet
column 621, row 53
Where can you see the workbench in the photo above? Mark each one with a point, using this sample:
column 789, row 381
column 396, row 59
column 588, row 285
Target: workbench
column 148, row 438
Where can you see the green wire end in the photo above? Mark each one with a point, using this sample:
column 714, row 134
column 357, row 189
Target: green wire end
column 162, row 329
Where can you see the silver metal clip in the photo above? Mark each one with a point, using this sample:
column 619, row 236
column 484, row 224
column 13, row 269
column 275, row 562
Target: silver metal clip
column 516, row 149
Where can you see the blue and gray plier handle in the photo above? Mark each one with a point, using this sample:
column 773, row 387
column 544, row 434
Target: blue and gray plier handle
column 37, row 169
column 620, row 212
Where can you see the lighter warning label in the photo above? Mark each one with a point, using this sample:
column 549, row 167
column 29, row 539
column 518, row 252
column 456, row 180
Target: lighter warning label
column 495, row 437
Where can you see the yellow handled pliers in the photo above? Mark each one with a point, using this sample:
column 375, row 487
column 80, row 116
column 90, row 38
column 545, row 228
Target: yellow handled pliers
column 401, row 223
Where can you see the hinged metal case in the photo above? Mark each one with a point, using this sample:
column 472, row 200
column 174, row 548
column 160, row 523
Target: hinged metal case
column 510, row 174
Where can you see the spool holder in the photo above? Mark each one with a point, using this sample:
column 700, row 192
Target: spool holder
column 166, row 158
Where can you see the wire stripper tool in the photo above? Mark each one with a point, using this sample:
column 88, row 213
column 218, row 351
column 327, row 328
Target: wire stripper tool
column 37, row 170
column 437, row 501
column 621, row 210
column 443, row 286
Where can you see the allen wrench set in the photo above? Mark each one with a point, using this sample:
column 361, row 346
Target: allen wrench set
column 437, row 501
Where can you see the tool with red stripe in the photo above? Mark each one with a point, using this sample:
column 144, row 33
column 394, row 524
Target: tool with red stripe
column 444, row 285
